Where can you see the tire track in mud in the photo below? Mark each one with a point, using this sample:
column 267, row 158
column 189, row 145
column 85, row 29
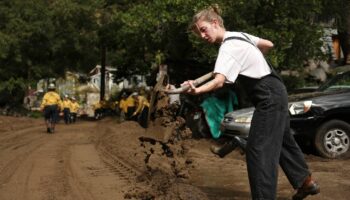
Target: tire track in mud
column 65, row 165
column 19, row 138
column 15, row 147
column 135, row 183
column 15, row 157
column 96, row 177
column 25, row 175
column 93, row 172
column 32, row 165
column 121, row 162
column 79, row 170
column 116, row 163
column 118, row 166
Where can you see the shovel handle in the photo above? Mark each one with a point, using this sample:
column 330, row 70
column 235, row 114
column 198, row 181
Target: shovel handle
column 196, row 82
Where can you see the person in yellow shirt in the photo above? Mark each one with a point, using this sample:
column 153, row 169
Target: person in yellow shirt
column 130, row 103
column 66, row 104
column 50, row 106
column 142, row 109
column 115, row 107
column 98, row 106
column 123, row 106
column 74, row 109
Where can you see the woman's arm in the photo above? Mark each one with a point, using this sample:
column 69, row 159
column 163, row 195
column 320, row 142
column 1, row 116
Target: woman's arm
column 214, row 84
column 264, row 45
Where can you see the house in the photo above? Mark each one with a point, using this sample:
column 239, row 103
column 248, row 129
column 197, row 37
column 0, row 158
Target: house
column 95, row 78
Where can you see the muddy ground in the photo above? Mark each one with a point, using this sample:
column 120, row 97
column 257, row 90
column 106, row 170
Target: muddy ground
column 109, row 160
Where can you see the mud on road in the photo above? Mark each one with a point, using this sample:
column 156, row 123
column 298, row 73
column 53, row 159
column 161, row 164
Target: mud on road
column 108, row 160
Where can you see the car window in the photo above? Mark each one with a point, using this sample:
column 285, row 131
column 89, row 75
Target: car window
column 338, row 82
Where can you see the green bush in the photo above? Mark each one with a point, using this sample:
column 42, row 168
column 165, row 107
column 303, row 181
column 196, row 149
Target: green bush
column 12, row 92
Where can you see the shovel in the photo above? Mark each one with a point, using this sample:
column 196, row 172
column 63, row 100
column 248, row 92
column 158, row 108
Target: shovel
column 160, row 87
column 196, row 82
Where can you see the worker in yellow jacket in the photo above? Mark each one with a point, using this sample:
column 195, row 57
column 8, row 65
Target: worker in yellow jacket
column 131, row 106
column 123, row 106
column 66, row 104
column 98, row 109
column 142, row 109
column 74, row 109
column 50, row 106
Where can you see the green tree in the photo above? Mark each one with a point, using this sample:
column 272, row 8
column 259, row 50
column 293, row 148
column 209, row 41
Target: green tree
column 40, row 39
column 150, row 26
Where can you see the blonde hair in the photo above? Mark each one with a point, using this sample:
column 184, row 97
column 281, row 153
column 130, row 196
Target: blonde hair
column 208, row 14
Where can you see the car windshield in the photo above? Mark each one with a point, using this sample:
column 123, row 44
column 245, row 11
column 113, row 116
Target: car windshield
column 338, row 82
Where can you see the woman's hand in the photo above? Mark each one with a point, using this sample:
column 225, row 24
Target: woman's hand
column 192, row 89
column 214, row 84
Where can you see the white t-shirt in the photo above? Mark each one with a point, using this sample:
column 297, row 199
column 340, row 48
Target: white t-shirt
column 240, row 57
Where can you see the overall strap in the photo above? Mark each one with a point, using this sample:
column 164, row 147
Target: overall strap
column 238, row 38
column 246, row 39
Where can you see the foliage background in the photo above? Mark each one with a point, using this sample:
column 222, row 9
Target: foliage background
column 45, row 38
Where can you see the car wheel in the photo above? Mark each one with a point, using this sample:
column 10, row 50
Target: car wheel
column 332, row 139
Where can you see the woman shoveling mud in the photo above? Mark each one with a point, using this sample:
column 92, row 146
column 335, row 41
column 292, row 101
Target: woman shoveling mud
column 241, row 57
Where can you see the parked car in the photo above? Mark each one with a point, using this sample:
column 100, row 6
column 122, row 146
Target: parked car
column 304, row 90
column 321, row 118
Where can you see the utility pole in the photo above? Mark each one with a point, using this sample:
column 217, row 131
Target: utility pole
column 103, row 72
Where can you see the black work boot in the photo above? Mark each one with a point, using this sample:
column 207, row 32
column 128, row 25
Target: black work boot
column 225, row 149
column 48, row 130
column 309, row 187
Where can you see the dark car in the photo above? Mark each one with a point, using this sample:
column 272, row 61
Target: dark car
column 321, row 118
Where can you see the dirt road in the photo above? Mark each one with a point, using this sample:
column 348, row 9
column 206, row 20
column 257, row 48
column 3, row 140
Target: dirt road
column 107, row 160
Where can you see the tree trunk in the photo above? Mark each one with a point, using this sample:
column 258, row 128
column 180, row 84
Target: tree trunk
column 344, row 34
column 103, row 72
column 347, row 55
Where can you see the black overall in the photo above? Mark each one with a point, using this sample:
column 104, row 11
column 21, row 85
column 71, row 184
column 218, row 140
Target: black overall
column 270, row 142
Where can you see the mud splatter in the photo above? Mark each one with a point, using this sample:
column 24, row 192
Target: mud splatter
column 166, row 149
